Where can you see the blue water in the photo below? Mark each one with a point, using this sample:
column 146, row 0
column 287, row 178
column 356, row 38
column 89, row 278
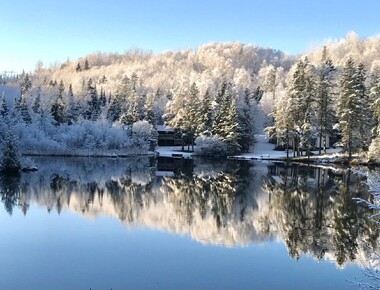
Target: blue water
column 69, row 250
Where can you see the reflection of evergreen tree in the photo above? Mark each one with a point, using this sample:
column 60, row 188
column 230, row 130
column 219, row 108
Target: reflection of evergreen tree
column 203, row 194
column 346, row 227
column 316, row 213
column 10, row 191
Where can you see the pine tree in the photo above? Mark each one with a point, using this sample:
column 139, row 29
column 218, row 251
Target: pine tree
column 225, row 124
column 78, row 68
column 349, row 110
column 86, row 64
column 232, row 129
column 150, row 115
column 58, row 108
column 24, row 111
column 25, row 85
column 375, row 98
column 324, row 99
column 4, row 108
column 73, row 109
column 297, row 101
column 37, row 102
column 245, row 118
column 365, row 124
column 224, row 101
column 118, row 104
column 10, row 161
column 93, row 110
column 191, row 120
column 205, row 114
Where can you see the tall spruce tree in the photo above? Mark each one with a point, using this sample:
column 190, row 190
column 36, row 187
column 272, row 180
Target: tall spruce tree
column 245, row 119
column 325, row 99
column 375, row 98
column 58, row 108
column 118, row 102
column 349, row 110
column 93, row 108
column 205, row 114
column 10, row 156
column 365, row 124
column 150, row 114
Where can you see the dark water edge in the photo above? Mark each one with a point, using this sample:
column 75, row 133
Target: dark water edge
column 146, row 223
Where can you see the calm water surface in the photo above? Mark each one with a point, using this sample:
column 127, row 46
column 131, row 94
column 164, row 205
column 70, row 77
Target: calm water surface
column 143, row 223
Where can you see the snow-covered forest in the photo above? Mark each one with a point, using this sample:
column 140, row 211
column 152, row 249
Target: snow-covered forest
column 220, row 93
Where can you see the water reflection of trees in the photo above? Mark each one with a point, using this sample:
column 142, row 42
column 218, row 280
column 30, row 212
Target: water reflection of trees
column 234, row 203
column 316, row 213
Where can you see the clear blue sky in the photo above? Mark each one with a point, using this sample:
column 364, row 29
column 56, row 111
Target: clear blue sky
column 56, row 30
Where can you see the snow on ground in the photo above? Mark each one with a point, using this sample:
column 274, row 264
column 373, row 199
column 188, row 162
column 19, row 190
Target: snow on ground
column 262, row 150
column 174, row 151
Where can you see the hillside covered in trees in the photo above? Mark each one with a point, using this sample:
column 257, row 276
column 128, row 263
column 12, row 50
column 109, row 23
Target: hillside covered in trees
column 221, row 94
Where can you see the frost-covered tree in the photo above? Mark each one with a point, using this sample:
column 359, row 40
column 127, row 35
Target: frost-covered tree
column 118, row 102
column 349, row 109
column 375, row 97
column 10, row 157
column 301, row 96
column 205, row 114
column 93, row 105
column 150, row 115
column 365, row 124
column 246, row 119
column 58, row 108
column 325, row 99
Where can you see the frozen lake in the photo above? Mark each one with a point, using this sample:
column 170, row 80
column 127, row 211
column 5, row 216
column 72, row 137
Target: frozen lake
column 142, row 223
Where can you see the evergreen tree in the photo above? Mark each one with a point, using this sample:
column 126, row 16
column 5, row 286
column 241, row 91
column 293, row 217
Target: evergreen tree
column 301, row 96
column 37, row 102
column 102, row 97
column 93, row 109
column 73, row 109
column 245, row 118
column 365, row 124
column 218, row 126
column 349, row 110
column 205, row 114
column 10, row 161
column 78, row 68
column 58, row 108
column 150, row 115
column 24, row 110
column 118, row 104
column 4, row 108
column 324, row 99
column 232, row 129
column 375, row 98
column 225, row 124
column 86, row 64
column 25, row 85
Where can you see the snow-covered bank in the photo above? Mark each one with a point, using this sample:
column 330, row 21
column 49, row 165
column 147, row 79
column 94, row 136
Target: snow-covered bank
column 262, row 151
column 266, row 151
column 86, row 153
column 174, row 152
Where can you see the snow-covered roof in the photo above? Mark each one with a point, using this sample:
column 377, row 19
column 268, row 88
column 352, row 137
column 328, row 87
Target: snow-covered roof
column 164, row 128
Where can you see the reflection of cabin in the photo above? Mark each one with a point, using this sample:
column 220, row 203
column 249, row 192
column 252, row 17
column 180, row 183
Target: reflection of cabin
column 168, row 136
column 167, row 166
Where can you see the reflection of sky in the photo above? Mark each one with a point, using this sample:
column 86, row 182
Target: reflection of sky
column 67, row 251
